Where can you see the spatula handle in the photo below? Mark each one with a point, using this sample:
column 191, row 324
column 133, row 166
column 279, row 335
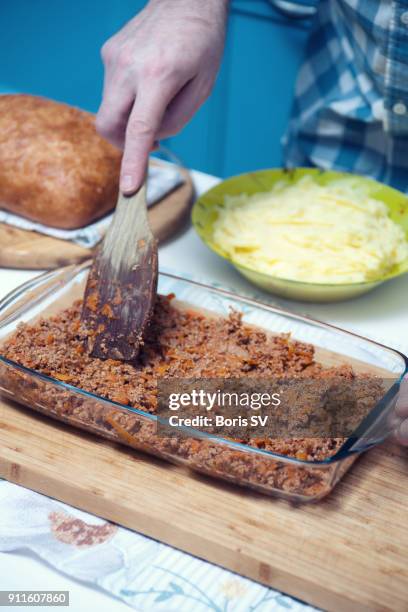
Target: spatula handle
column 129, row 229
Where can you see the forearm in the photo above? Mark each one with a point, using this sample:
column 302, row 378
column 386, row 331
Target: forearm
column 209, row 13
column 206, row 7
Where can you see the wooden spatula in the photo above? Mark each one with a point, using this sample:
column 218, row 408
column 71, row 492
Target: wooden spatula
column 122, row 284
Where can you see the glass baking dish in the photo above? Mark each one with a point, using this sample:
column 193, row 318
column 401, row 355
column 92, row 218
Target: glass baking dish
column 295, row 479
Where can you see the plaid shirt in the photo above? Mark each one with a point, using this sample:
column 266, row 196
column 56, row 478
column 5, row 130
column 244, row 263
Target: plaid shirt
column 351, row 101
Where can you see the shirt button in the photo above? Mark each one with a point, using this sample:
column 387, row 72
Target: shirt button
column 404, row 18
column 399, row 108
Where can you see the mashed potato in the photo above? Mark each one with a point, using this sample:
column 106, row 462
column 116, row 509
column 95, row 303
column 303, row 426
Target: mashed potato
column 334, row 233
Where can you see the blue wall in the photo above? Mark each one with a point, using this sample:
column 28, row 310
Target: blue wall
column 51, row 47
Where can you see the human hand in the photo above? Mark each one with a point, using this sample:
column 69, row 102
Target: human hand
column 401, row 411
column 159, row 69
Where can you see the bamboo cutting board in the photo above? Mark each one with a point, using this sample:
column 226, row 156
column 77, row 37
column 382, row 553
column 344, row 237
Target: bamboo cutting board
column 346, row 553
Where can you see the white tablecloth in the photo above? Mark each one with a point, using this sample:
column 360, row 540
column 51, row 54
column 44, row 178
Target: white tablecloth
column 43, row 537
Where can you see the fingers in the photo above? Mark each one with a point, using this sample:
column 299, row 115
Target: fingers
column 132, row 121
column 401, row 414
column 113, row 114
column 141, row 134
column 183, row 107
column 401, row 408
column 401, row 433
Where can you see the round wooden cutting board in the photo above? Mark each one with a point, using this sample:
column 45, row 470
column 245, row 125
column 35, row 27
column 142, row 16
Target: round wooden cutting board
column 33, row 251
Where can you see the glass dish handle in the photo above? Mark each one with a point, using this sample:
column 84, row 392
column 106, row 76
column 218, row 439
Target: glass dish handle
column 377, row 426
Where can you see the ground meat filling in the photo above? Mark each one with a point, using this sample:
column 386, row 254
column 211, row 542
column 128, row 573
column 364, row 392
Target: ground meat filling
column 179, row 343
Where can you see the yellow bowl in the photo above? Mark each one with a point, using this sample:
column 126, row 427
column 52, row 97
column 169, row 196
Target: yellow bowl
column 205, row 213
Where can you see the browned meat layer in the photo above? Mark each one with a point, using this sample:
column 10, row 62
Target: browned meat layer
column 180, row 343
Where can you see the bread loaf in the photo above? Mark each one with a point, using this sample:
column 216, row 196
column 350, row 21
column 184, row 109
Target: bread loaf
column 54, row 166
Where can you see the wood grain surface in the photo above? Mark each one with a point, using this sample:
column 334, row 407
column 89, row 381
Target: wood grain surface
column 348, row 552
